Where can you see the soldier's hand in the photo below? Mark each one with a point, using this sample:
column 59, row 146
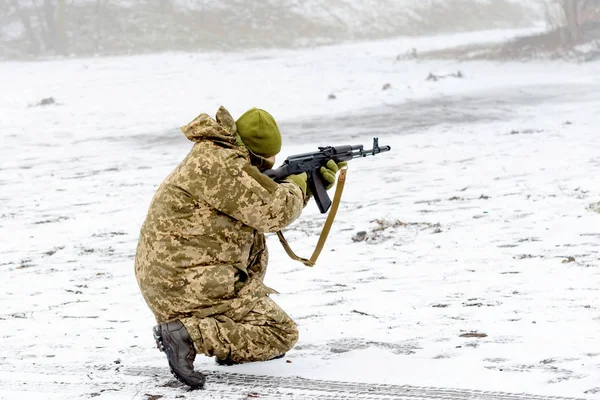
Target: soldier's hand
column 299, row 180
column 329, row 171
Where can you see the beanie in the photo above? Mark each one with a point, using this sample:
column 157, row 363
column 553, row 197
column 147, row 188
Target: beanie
column 259, row 132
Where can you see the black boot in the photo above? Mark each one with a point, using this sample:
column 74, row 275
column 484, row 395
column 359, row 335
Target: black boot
column 173, row 339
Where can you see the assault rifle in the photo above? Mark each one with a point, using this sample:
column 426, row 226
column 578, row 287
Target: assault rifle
column 312, row 162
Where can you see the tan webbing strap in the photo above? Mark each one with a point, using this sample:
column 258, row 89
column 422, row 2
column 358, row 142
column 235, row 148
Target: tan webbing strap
column 326, row 227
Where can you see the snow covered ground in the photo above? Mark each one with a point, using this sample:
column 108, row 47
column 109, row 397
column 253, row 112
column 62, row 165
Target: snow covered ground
column 467, row 257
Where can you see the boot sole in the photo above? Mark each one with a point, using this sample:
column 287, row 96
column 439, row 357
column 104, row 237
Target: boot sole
column 160, row 345
column 228, row 362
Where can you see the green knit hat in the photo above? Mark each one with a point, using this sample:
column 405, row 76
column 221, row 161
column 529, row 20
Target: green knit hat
column 259, row 132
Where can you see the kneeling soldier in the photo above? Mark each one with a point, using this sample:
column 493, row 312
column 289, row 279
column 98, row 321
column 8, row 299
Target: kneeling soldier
column 201, row 256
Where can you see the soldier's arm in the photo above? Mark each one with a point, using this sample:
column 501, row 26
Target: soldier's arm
column 236, row 188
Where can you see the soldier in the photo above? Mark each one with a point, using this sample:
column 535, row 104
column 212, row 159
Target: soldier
column 201, row 257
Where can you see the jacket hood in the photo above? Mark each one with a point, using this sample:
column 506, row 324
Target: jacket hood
column 203, row 127
column 222, row 130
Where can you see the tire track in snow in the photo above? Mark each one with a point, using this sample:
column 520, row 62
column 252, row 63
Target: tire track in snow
column 103, row 380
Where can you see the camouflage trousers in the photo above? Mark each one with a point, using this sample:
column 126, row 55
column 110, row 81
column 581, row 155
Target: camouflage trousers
column 266, row 331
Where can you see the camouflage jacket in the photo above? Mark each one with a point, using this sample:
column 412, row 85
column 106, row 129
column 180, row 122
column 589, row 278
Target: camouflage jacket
column 202, row 249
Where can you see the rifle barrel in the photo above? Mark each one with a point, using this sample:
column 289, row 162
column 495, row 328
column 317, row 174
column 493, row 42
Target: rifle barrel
column 372, row 152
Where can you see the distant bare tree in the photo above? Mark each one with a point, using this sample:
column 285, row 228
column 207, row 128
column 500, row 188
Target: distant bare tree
column 61, row 43
column 98, row 34
column 572, row 29
column 567, row 17
column 53, row 25
column 38, row 21
column 34, row 43
column 48, row 24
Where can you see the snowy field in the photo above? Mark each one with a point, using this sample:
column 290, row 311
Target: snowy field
column 467, row 257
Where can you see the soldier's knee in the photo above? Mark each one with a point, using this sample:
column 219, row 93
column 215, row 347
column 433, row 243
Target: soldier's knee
column 290, row 337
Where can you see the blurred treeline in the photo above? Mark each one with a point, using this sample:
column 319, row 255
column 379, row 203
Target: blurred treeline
column 34, row 28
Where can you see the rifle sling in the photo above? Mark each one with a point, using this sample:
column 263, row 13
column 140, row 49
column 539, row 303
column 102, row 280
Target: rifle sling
column 326, row 227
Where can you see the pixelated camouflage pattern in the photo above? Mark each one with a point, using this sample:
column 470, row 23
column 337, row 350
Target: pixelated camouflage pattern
column 261, row 334
column 201, row 255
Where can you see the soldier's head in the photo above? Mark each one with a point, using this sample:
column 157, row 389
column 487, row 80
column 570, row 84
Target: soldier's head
column 259, row 132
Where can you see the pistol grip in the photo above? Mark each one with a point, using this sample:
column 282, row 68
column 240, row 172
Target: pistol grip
column 317, row 187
